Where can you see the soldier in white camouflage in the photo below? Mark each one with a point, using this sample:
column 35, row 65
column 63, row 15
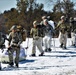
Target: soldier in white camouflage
column 73, row 31
column 48, row 36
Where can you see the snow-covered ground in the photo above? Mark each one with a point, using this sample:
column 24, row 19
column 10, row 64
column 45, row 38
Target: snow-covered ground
column 56, row 62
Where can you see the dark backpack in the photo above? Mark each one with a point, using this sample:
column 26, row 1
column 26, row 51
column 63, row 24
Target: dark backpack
column 23, row 32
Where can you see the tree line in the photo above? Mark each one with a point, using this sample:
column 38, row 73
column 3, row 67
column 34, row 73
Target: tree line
column 28, row 10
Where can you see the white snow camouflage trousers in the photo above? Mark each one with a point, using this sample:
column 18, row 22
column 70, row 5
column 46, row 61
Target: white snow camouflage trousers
column 73, row 38
column 63, row 38
column 47, row 41
column 37, row 43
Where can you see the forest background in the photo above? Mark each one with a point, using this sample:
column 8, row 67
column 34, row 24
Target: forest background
column 27, row 11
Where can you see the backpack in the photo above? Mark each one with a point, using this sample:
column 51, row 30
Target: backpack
column 23, row 33
column 21, row 30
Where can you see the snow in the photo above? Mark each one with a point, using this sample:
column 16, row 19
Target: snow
column 57, row 62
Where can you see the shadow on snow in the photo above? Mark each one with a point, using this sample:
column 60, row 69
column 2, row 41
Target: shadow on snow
column 26, row 61
column 36, row 68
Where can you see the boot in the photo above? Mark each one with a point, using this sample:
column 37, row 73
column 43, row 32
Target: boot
column 45, row 50
column 17, row 65
column 61, row 46
column 0, row 68
column 74, row 45
column 33, row 55
column 41, row 54
column 49, row 49
column 11, row 64
column 64, row 47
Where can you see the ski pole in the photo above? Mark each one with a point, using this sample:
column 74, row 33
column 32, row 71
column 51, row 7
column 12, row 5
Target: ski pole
column 54, row 44
column 27, row 44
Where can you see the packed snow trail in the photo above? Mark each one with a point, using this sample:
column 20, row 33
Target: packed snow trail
column 56, row 62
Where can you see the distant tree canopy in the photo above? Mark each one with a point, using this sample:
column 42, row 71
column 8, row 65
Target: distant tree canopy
column 2, row 23
column 28, row 10
column 65, row 6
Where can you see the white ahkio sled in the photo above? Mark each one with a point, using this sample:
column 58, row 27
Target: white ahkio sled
column 4, row 56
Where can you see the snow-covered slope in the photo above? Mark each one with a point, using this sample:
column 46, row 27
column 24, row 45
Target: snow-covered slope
column 56, row 62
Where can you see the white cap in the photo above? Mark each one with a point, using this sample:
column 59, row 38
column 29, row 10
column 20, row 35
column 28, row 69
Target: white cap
column 62, row 17
column 13, row 27
column 43, row 17
column 35, row 22
column 45, row 20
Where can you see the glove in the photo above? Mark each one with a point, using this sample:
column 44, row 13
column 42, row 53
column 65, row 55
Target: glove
column 9, row 48
column 18, row 46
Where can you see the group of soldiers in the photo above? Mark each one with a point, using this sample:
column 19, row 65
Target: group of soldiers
column 41, row 33
column 48, row 30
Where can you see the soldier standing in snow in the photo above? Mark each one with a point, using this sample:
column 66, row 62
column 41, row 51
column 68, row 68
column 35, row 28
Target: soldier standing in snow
column 63, row 28
column 73, row 31
column 48, row 35
column 37, row 39
column 15, row 40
